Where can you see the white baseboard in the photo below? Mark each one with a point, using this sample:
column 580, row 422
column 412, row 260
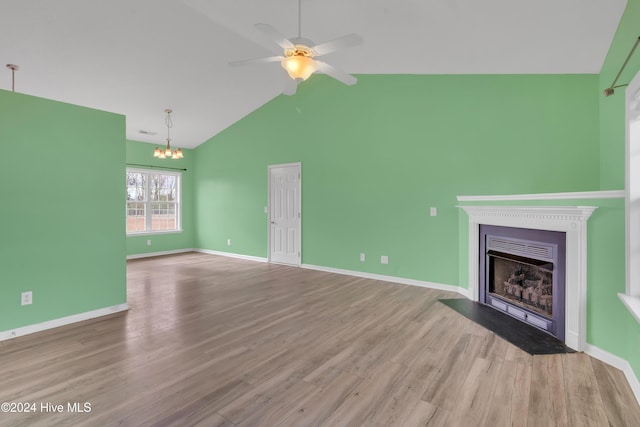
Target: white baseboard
column 152, row 254
column 231, row 255
column 632, row 304
column 616, row 362
column 465, row 292
column 392, row 279
column 50, row 324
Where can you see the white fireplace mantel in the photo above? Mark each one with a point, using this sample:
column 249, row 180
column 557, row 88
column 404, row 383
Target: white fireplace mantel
column 572, row 220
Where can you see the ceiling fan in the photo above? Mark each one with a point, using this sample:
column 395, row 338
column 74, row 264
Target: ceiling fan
column 299, row 55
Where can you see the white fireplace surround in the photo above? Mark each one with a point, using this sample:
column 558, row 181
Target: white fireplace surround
column 569, row 219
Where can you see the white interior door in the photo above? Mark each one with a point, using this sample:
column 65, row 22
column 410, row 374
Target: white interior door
column 284, row 214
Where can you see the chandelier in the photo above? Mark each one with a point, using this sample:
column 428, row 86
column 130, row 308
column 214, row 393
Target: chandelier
column 167, row 152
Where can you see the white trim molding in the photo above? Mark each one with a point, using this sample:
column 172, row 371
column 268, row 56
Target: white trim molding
column 580, row 195
column 632, row 304
column 392, row 279
column 619, row 363
column 569, row 219
column 50, row 324
column 162, row 253
column 231, row 255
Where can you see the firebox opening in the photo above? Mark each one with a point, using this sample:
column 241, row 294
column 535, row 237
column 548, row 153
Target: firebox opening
column 525, row 282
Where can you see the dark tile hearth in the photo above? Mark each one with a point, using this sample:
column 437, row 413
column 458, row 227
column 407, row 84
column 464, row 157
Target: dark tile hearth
column 528, row 338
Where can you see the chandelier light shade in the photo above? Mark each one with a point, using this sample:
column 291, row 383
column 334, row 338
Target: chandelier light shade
column 167, row 152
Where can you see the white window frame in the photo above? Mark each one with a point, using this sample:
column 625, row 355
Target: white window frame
column 631, row 297
column 178, row 202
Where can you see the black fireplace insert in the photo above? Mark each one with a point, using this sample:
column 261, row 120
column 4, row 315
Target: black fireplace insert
column 522, row 273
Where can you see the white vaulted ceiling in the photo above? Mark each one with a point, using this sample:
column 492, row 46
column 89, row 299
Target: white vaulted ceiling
column 138, row 57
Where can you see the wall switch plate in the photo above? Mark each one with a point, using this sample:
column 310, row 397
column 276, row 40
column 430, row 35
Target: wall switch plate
column 228, row 242
column 384, row 259
column 362, row 257
column 433, row 211
column 26, row 298
column 149, row 242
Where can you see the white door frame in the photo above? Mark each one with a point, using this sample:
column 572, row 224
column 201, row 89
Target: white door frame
column 299, row 207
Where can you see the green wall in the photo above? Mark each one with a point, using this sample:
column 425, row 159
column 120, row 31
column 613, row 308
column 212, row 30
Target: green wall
column 61, row 216
column 141, row 153
column 612, row 157
column 377, row 155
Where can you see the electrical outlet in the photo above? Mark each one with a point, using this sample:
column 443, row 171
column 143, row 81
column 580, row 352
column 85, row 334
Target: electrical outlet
column 228, row 242
column 433, row 211
column 384, row 259
column 362, row 257
column 27, row 298
column 149, row 242
column 265, row 209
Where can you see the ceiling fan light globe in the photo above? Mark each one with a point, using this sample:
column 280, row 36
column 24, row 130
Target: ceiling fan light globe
column 299, row 66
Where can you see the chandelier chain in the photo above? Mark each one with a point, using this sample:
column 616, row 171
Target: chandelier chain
column 169, row 124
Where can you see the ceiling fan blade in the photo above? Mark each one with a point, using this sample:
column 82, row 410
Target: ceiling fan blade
column 336, row 44
column 256, row 61
column 275, row 35
column 290, row 87
column 339, row 75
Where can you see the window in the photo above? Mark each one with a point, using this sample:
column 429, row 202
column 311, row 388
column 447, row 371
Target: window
column 153, row 201
column 631, row 298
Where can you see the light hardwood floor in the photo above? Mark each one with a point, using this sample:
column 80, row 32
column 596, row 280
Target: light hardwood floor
column 216, row 341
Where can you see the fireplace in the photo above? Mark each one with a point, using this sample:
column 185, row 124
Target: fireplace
column 571, row 220
column 522, row 275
